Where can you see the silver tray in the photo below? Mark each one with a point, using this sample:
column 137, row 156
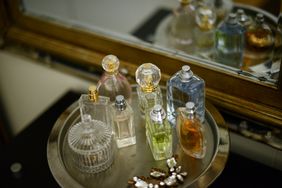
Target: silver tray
column 136, row 160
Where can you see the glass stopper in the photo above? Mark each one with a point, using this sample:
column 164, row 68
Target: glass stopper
column 110, row 63
column 148, row 76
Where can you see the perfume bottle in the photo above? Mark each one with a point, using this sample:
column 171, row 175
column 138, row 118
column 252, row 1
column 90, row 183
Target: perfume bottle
column 259, row 43
column 112, row 82
column 229, row 42
column 184, row 86
column 149, row 93
column 243, row 19
column 91, row 144
column 180, row 28
column 204, row 32
column 98, row 107
column 191, row 131
column 222, row 9
column 159, row 133
column 123, row 122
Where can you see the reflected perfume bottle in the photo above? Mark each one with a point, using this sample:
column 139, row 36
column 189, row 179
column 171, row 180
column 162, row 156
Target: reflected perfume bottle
column 229, row 42
column 123, row 122
column 159, row 133
column 184, row 86
column 191, row 131
column 112, row 82
column 149, row 93
column 259, row 43
column 204, row 32
column 243, row 19
column 91, row 144
column 180, row 29
column 222, row 9
column 277, row 56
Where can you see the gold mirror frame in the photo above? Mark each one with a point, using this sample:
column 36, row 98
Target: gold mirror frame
column 233, row 93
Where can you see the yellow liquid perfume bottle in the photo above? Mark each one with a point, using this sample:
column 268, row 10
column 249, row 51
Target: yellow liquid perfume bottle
column 112, row 82
column 190, row 131
column 159, row 133
column 91, row 141
column 149, row 93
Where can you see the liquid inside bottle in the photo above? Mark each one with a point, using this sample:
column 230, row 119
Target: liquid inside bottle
column 123, row 123
column 191, row 132
column 229, row 47
column 184, row 86
column 149, row 93
column 159, row 133
column 112, row 82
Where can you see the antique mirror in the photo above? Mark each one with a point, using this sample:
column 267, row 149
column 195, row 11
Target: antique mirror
column 83, row 32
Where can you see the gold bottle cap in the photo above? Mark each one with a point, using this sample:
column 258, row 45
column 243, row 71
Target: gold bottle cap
column 93, row 93
column 185, row 1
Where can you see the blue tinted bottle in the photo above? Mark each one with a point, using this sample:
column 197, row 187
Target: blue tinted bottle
column 229, row 42
column 182, row 87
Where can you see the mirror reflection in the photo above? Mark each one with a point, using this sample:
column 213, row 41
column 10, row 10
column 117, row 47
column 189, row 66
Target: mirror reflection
column 232, row 36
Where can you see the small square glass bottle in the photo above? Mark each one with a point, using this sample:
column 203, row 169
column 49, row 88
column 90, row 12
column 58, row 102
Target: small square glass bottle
column 149, row 93
column 123, row 122
column 91, row 141
column 159, row 133
column 185, row 86
column 190, row 131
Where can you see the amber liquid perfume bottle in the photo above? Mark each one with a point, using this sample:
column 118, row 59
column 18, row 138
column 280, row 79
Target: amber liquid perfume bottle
column 259, row 41
column 91, row 141
column 149, row 93
column 112, row 82
column 123, row 122
column 190, row 132
column 159, row 133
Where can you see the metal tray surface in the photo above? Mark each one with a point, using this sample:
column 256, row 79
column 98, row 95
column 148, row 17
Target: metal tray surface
column 135, row 160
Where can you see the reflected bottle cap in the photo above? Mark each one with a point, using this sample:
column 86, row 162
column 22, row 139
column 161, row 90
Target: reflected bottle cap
column 110, row 63
column 148, row 76
column 205, row 17
column 157, row 114
column 120, row 103
column 232, row 18
column 259, row 18
column 186, row 73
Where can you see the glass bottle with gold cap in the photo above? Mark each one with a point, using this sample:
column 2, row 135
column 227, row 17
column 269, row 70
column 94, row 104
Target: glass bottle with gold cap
column 180, row 28
column 149, row 93
column 112, row 82
column 204, row 32
column 91, row 141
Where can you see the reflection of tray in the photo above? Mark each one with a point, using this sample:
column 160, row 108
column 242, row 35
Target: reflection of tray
column 135, row 160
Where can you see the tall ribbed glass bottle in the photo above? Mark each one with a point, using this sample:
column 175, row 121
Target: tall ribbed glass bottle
column 229, row 43
column 182, row 87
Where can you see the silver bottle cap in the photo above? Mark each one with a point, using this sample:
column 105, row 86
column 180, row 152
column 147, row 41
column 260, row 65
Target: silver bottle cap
column 120, row 103
column 190, row 107
column 232, row 18
column 186, row 73
column 259, row 18
column 157, row 114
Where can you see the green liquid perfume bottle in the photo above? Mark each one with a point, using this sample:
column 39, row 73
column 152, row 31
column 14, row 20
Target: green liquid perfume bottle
column 159, row 133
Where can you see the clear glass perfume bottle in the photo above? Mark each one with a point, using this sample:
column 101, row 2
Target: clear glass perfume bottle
column 159, row 133
column 259, row 43
column 184, row 86
column 180, row 29
column 149, row 93
column 112, row 82
column 204, row 32
column 91, row 144
column 123, row 122
column 229, row 42
column 191, row 131
column 222, row 9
